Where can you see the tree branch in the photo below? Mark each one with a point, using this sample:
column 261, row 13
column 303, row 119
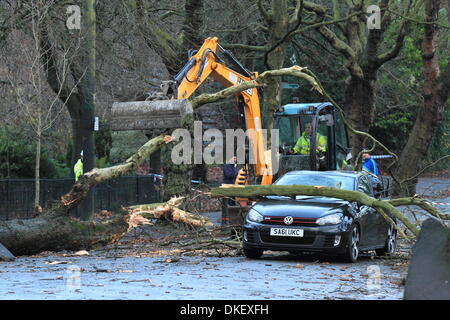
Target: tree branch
column 244, row 47
column 97, row 176
column 294, row 71
column 266, row 15
column 341, row 111
column 256, row 191
column 399, row 41
column 328, row 22
column 296, row 16
column 422, row 203
column 344, row 49
column 425, row 168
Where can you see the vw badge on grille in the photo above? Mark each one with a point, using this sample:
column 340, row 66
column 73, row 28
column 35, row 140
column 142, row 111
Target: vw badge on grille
column 288, row 220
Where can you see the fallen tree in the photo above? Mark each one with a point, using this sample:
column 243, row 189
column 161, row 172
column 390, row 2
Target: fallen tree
column 382, row 206
column 97, row 176
column 51, row 232
column 55, row 229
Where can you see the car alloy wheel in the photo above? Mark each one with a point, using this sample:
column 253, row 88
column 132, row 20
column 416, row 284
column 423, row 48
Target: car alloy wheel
column 391, row 240
column 390, row 244
column 354, row 243
column 352, row 251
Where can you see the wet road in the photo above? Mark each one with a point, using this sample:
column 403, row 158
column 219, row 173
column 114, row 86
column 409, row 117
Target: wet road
column 275, row 276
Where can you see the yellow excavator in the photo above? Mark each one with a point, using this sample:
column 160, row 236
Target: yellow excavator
column 164, row 110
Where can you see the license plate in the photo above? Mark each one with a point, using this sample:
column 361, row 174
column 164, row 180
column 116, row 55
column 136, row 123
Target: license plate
column 286, row 232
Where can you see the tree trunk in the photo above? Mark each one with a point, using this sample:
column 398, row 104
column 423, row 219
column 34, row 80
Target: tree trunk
column 73, row 100
column 37, row 185
column 279, row 24
column 435, row 92
column 88, row 108
column 192, row 26
column 76, row 137
column 360, row 107
column 48, row 233
column 177, row 178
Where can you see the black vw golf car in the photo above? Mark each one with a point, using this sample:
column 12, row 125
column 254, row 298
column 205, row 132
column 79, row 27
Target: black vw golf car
column 318, row 224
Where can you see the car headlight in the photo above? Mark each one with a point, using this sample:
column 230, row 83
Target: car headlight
column 254, row 216
column 335, row 218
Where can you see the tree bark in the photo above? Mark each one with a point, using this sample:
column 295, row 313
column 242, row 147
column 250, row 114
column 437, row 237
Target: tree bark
column 37, row 184
column 360, row 107
column 435, row 93
column 278, row 23
column 88, row 107
column 48, row 233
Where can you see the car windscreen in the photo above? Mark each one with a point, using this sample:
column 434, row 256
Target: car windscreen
column 332, row 181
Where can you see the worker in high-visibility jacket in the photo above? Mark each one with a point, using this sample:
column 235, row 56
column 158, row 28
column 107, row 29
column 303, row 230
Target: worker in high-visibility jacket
column 303, row 143
column 78, row 168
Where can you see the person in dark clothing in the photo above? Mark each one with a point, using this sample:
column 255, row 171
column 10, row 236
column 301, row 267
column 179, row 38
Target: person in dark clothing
column 230, row 171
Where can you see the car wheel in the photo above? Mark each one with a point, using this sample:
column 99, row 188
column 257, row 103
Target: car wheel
column 352, row 252
column 390, row 244
column 253, row 253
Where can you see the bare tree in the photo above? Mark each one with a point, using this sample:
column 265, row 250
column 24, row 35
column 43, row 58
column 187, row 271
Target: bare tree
column 37, row 103
column 343, row 25
column 364, row 51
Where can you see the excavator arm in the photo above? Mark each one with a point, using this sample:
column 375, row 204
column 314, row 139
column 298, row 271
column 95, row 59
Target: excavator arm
column 206, row 63
column 162, row 113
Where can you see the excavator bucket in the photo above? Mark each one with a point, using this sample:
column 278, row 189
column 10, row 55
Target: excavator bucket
column 148, row 115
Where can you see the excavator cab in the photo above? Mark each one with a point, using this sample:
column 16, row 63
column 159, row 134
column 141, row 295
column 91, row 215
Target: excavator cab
column 326, row 122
